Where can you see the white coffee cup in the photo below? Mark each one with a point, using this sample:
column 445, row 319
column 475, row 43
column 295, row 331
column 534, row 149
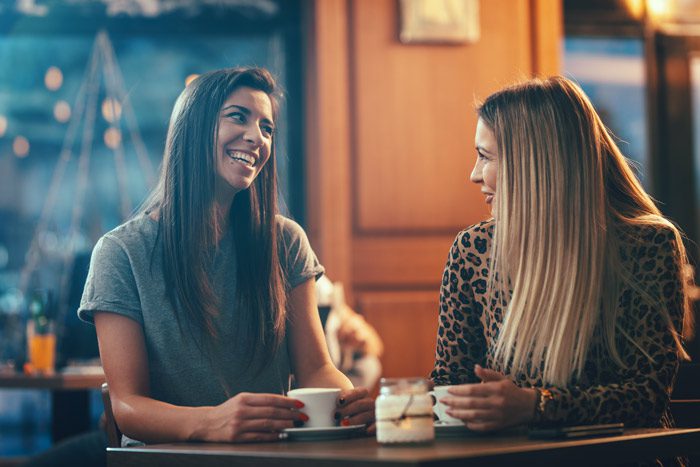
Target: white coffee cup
column 319, row 405
column 439, row 408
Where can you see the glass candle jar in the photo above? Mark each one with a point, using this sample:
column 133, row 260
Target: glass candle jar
column 404, row 411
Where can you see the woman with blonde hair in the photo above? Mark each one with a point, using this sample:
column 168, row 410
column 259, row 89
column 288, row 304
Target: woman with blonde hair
column 568, row 305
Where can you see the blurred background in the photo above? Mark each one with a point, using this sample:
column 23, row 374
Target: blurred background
column 375, row 141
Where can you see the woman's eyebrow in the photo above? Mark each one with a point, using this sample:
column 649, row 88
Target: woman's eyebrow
column 243, row 109
column 246, row 111
column 483, row 149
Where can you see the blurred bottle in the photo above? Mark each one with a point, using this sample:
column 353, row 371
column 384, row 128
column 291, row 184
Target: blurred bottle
column 41, row 334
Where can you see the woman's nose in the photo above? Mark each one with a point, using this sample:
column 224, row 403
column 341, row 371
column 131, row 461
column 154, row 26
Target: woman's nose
column 253, row 135
column 475, row 176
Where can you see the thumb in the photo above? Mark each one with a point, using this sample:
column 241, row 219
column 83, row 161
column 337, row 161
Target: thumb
column 487, row 375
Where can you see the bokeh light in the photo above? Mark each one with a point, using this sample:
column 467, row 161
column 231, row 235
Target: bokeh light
column 191, row 78
column 20, row 146
column 3, row 125
column 53, row 79
column 61, row 111
column 111, row 110
column 112, row 137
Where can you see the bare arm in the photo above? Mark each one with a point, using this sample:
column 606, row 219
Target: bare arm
column 312, row 363
column 245, row 417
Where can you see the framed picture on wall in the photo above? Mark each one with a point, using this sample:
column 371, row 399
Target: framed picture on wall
column 439, row 21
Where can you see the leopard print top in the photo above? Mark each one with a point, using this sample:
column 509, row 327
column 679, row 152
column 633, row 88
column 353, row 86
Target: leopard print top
column 637, row 395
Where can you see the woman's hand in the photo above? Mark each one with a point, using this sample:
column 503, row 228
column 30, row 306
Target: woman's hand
column 494, row 404
column 250, row 417
column 355, row 407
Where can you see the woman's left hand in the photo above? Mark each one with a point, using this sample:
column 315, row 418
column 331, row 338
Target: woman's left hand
column 355, row 407
column 494, row 404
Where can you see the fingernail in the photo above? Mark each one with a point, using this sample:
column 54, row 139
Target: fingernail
column 298, row 404
column 298, row 423
column 304, row 417
column 341, row 401
column 345, row 422
column 336, row 415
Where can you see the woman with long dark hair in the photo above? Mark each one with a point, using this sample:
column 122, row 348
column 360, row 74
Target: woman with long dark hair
column 204, row 303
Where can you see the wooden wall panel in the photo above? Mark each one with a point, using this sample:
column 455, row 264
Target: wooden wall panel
column 328, row 136
column 414, row 115
column 391, row 134
column 547, row 53
column 408, row 323
column 400, row 261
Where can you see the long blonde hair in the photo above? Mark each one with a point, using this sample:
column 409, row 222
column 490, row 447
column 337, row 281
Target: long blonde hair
column 565, row 191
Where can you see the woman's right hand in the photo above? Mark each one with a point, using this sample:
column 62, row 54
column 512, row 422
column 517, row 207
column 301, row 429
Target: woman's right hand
column 249, row 417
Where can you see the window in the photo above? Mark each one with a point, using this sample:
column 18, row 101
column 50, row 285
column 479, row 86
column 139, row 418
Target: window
column 612, row 72
column 45, row 49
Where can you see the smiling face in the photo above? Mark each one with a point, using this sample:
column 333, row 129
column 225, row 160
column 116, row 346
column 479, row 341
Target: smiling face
column 244, row 141
column 485, row 172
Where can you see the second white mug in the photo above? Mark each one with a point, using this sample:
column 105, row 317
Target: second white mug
column 439, row 408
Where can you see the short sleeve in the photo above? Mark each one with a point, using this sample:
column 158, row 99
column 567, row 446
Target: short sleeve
column 299, row 262
column 110, row 285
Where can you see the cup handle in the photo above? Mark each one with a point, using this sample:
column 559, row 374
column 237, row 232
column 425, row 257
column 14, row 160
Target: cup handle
column 436, row 415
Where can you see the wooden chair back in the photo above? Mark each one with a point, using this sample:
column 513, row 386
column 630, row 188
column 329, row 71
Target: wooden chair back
column 114, row 436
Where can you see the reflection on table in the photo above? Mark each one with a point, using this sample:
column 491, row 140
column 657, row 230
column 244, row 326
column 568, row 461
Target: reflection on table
column 504, row 449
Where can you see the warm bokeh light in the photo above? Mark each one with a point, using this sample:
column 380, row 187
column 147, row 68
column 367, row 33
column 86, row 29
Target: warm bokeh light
column 112, row 137
column 61, row 111
column 659, row 9
column 635, row 8
column 3, row 125
column 191, row 78
column 111, row 110
column 20, row 146
column 53, row 79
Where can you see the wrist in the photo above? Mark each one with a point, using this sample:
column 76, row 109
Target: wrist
column 532, row 398
column 199, row 424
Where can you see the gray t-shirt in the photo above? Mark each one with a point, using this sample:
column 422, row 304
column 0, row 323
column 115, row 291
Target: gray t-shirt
column 126, row 277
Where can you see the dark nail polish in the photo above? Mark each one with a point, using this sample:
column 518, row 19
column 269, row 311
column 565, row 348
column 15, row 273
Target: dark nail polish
column 345, row 422
column 298, row 423
column 336, row 415
column 304, row 417
column 341, row 401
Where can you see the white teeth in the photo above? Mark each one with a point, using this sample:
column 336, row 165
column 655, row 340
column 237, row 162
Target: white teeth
column 241, row 156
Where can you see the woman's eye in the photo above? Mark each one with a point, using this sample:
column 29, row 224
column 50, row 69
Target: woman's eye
column 268, row 130
column 236, row 117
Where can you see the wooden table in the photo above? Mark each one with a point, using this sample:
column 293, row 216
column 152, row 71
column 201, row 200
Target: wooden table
column 491, row 450
column 70, row 398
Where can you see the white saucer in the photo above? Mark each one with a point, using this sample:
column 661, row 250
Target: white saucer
column 331, row 432
column 449, row 429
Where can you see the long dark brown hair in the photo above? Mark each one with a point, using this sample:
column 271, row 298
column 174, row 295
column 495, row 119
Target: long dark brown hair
column 184, row 203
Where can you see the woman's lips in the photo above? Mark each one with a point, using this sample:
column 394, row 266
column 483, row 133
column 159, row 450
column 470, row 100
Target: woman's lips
column 489, row 198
